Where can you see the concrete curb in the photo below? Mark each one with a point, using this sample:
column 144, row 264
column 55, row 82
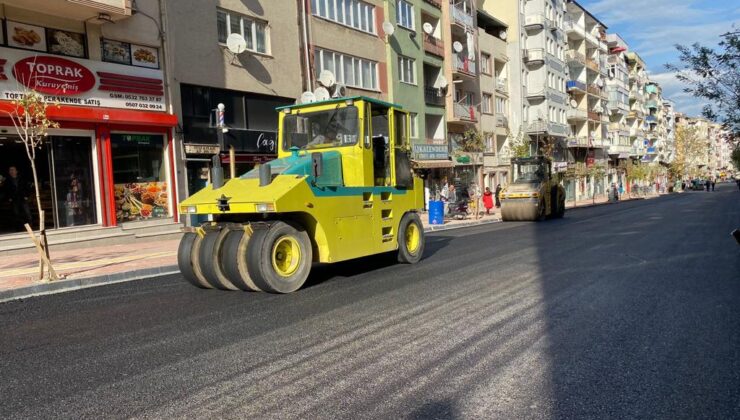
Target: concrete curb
column 437, row 228
column 83, row 283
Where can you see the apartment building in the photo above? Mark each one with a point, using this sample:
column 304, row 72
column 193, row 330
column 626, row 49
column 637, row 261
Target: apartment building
column 618, row 106
column 103, row 62
column 463, row 98
column 588, row 116
column 667, row 150
column 416, row 57
column 636, row 116
column 654, row 125
column 495, row 103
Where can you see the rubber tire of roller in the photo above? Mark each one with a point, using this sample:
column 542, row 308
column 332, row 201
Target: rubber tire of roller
column 404, row 256
column 187, row 260
column 210, row 260
column 234, row 260
column 259, row 258
column 561, row 208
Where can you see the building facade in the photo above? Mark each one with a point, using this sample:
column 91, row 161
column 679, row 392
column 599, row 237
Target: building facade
column 111, row 160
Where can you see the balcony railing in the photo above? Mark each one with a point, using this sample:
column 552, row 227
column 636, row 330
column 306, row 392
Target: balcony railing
column 593, row 116
column 652, row 104
column 537, row 127
column 433, row 96
column 651, row 119
column 574, row 114
column 575, row 85
column 497, row 160
column 462, row 64
column 502, row 85
column 592, row 64
column 533, row 93
column 594, row 90
column 501, row 120
column 462, row 18
column 433, row 45
column 465, row 112
column 534, row 55
column 577, row 141
column 574, row 56
column 571, row 26
column 535, row 20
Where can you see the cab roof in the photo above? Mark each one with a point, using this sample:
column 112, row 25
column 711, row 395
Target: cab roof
column 341, row 99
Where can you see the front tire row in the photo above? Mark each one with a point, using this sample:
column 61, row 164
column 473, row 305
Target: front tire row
column 273, row 258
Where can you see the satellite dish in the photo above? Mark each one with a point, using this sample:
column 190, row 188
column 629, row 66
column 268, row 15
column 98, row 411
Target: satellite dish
column 307, row 97
column 236, row 43
column 428, row 28
column 321, row 94
column 502, row 35
column 388, row 28
column 457, row 46
column 573, row 103
column 442, row 81
column 339, row 91
column 326, row 78
column 599, row 82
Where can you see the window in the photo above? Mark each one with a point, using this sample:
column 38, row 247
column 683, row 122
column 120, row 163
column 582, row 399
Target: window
column 414, row 127
column 253, row 31
column 405, row 14
column 348, row 70
column 500, row 105
column 352, row 13
column 407, row 69
column 485, row 63
column 486, row 104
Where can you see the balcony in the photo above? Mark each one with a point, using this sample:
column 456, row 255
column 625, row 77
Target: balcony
column 534, row 56
column 434, row 96
column 435, row 3
column 575, row 57
column 462, row 18
column 499, row 160
column 577, row 141
column 501, row 120
column 535, row 21
column 502, row 85
column 463, row 65
column 616, row 107
column 537, row 127
column 592, row 65
column 465, row 112
column 535, row 94
column 593, row 116
column 434, row 45
column 573, row 29
column 574, row 114
column 594, row 90
column 575, row 85
column 653, row 104
column 650, row 119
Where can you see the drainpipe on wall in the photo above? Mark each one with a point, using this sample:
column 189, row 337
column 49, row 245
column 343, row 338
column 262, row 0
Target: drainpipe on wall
column 306, row 42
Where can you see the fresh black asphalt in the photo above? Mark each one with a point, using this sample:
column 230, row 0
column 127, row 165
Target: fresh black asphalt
column 619, row 311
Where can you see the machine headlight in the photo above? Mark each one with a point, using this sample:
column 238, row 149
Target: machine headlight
column 264, row 207
column 535, row 194
column 188, row 209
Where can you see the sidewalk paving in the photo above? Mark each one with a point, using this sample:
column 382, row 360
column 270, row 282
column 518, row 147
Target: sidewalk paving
column 87, row 267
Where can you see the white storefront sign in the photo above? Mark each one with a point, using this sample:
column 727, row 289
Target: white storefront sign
column 73, row 81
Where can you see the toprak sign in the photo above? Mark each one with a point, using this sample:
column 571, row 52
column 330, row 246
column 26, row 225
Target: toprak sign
column 80, row 82
column 53, row 75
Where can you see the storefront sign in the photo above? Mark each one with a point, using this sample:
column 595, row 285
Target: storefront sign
column 201, row 149
column 53, row 75
column 73, row 81
column 430, row 151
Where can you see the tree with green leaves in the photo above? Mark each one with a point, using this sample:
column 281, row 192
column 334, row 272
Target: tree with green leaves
column 688, row 146
column 471, row 141
column 714, row 75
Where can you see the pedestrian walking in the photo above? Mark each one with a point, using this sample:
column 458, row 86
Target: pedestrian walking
column 714, row 181
column 498, row 195
column 708, row 184
column 488, row 200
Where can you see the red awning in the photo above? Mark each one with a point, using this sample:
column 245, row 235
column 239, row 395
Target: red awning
column 102, row 115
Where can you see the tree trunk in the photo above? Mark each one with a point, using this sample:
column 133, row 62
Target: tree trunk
column 36, row 187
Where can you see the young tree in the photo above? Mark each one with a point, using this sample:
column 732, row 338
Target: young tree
column 714, row 75
column 519, row 145
column 688, row 149
column 471, row 141
column 29, row 117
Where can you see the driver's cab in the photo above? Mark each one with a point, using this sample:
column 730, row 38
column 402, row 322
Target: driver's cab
column 530, row 170
column 371, row 136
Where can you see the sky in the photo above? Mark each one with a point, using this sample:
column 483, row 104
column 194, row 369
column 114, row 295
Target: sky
column 653, row 27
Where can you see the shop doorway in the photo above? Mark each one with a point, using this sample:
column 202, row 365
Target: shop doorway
column 66, row 185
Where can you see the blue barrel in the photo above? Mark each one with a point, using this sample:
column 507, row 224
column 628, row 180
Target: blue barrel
column 436, row 212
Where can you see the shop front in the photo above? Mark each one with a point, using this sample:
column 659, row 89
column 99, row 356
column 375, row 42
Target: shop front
column 109, row 161
column 432, row 162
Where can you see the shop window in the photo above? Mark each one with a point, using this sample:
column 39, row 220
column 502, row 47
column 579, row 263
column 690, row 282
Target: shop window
column 139, row 176
column 73, row 181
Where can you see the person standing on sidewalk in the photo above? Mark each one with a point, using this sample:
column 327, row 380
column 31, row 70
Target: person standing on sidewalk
column 714, row 181
column 708, row 184
column 498, row 195
column 17, row 191
column 488, row 200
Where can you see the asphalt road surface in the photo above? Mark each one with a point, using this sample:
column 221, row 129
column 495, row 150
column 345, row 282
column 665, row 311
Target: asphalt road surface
column 621, row 311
